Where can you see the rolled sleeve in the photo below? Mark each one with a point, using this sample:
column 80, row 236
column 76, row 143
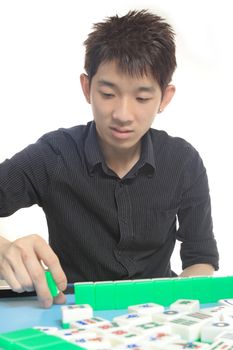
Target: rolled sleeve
column 194, row 217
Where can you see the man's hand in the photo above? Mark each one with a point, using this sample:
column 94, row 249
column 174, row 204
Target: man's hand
column 198, row 270
column 21, row 267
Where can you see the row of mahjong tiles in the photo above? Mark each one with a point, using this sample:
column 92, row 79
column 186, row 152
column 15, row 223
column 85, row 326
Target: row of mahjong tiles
column 182, row 325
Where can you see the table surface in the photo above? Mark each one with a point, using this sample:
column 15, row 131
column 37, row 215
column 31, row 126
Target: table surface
column 24, row 312
column 18, row 312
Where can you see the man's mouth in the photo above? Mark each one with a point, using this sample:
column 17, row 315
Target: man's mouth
column 120, row 132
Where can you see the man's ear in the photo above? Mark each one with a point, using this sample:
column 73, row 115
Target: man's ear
column 167, row 97
column 84, row 80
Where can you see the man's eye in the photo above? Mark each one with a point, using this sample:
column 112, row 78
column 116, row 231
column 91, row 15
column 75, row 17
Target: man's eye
column 143, row 99
column 106, row 95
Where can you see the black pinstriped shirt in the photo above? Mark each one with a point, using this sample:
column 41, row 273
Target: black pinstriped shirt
column 106, row 228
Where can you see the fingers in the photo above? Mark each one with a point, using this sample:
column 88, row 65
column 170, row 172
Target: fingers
column 60, row 298
column 37, row 274
column 13, row 270
column 49, row 258
column 21, row 267
column 43, row 252
column 23, row 277
column 12, row 280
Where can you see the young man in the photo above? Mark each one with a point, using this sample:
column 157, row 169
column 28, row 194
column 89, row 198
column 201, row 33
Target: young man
column 114, row 190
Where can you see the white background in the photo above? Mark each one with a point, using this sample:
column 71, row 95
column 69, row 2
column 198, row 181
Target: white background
column 41, row 58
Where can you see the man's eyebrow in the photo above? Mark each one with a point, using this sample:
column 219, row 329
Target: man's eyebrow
column 146, row 89
column 150, row 88
column 103, row 82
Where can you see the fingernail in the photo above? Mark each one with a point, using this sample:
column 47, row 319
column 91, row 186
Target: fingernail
column 62, row 286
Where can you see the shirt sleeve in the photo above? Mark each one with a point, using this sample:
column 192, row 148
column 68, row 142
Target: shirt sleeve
column 25, row 177
column 194, row 216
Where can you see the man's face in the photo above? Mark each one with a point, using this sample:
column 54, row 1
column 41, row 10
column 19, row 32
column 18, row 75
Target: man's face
column 123, row 106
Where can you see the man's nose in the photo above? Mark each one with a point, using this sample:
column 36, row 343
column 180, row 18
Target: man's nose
column 123, row 112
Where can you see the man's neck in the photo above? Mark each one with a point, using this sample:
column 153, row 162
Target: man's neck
column 121, row 162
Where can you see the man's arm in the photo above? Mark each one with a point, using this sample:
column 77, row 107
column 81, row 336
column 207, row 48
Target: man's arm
column 21, row 267
column 199, row 252
column 198, row 270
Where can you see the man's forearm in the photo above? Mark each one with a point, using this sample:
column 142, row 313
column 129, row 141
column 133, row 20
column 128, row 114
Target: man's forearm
column 198, row 270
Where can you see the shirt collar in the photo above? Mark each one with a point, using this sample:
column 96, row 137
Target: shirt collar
column 94, row 155
column 92, row 149
column 147, row 151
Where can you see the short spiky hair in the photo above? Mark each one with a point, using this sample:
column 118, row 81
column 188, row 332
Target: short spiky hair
column 140, row 42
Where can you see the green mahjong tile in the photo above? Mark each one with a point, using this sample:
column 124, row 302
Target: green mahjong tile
column 105, row 295
column 51, row 283
column 9, row 338
column 85, row 293
column 183, row 288
column 163, row 291
column 124, row 294
column 65, row 325
column 44, row 341
column 143, row 291
column 202, row 289
column 222, row 288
